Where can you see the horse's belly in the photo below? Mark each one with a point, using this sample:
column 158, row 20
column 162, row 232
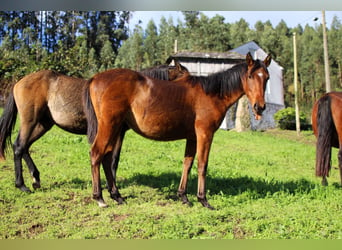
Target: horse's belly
column 72, row 122
column 160, row 127
column 69, row 117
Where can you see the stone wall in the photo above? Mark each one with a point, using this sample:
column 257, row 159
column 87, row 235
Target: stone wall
column 237, row 118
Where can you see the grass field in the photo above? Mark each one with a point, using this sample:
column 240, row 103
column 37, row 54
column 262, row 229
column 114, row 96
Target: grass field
column 261, row 184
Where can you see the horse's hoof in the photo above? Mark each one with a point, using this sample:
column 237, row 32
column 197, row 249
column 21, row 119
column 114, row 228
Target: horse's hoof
column 186, row 202
column 324, row 182
column 205, row 203
column 102, row 204
column 210, row 207
column 24, row 189
column 36, row 185
column 120, row 201
column 184, row 199
column 100, row 201
column 118, row 198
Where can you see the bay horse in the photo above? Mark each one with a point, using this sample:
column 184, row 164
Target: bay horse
column 190, row 108
column 327, row 127
column 46, row 98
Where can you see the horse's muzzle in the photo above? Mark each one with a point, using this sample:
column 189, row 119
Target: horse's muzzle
column 258, row 109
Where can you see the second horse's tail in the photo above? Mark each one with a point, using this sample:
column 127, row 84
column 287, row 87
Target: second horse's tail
column 326, row 129
column 7, row 123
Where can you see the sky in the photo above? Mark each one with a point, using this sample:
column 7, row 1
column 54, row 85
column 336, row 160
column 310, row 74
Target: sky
column 291, row 18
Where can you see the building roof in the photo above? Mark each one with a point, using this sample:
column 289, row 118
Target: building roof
column 230, row 55
column 254, row 49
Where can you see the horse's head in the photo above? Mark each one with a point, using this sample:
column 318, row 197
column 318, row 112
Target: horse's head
column 177, row 71
column 254, row 83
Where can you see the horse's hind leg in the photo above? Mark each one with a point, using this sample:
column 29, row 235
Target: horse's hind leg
column 190, row 151
column 111, row 180
column 110, row 166
column 102, row 146
column 33, row 169
column 19, row 149
column 38, row 132
column 29, row 132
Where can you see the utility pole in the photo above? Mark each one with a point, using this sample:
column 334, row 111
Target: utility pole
column 175, row 48
column 326, row 57
column 296, row 82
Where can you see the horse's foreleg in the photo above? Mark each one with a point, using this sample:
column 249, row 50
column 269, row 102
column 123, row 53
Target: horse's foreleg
column 190, row 151
column 203, row 147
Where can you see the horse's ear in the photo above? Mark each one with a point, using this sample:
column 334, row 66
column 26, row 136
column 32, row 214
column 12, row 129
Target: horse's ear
column 178, row 65
column 249, row 59
column 267, row 60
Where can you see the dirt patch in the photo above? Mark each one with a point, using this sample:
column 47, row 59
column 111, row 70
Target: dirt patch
column 119, row 217
column 305, row 137
column 31, row 232
column 238, row 231
column 36, row 229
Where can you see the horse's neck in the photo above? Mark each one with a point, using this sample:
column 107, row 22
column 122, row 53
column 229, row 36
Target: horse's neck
column 233, row 98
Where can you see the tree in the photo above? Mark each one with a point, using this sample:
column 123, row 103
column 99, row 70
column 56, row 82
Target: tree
column 269, row 39
column 166, row 39
column 311, row 66
column 191, row 18
column 107, row 56
column 239, row 33
column 92, row 65
column 213, row 34
column 150, row 46
column 334, row 40
column 131, row 52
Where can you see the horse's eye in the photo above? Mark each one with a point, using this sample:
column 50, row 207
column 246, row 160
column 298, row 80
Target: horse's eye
column 250, row 76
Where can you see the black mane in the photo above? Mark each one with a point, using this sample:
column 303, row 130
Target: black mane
column 160, row 72
column 225, row 82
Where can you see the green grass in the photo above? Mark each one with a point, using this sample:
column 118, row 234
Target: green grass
column 261, row 184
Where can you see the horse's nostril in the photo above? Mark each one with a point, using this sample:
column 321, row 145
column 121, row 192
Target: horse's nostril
column 255, row 107
column 259, row 109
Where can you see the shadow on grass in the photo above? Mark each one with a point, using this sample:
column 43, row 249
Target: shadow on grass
column 167, row 183
column 228, row 186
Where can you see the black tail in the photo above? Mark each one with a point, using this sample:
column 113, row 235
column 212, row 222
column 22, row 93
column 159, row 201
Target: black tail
column 7, row 123
column 90, row 114
column 326, row 130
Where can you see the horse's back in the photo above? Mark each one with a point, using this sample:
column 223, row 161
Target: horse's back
column 117, row 78
column 116, row 87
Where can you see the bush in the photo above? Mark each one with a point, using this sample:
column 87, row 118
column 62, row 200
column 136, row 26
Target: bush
column 286, row 119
